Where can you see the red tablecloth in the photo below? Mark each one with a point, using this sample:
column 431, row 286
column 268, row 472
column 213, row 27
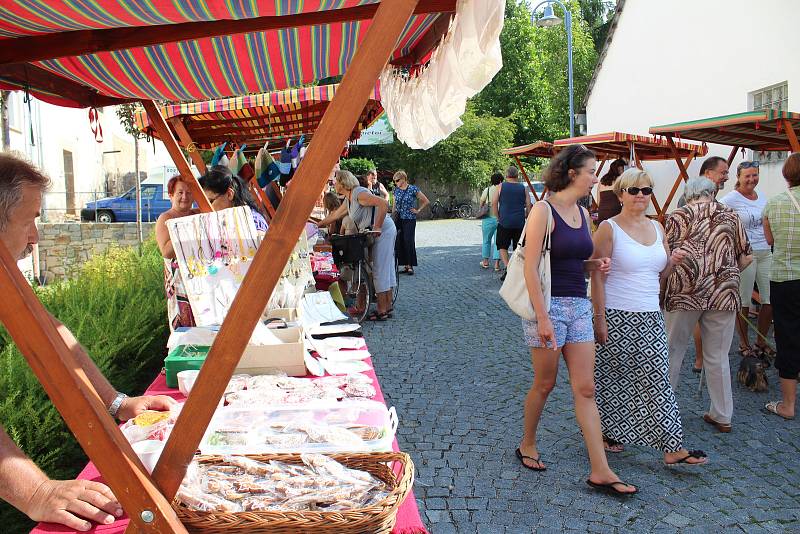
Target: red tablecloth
column 408, row 519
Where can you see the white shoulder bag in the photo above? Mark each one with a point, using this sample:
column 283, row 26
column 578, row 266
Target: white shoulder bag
column 514, row 289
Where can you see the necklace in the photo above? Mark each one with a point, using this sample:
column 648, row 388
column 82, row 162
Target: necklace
column 252, row 244
column 183, row 252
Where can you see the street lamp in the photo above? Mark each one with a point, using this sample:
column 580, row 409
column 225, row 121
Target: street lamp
column 547, row 20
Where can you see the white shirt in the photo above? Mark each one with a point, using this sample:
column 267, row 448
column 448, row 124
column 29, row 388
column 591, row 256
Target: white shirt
column 632, row 284
column 750, row 212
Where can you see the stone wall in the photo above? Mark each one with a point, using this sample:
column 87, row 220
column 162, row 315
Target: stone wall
column 64, row 247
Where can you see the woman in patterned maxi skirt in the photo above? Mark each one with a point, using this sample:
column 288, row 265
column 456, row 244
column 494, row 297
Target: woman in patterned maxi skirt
column 634, row 396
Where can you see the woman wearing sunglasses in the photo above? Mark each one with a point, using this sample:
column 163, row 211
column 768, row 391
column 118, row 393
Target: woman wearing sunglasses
column 566, row 328
column 750, row 205
column 635, row 399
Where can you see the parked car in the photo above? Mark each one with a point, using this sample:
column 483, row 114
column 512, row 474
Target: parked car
column 539, row 188
column 123, row 207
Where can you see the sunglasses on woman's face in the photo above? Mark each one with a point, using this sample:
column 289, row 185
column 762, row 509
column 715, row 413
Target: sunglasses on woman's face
column 636, row 190
column 748, row 165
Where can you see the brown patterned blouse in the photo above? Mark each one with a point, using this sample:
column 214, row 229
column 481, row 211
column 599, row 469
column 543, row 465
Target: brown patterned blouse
column 708, row 278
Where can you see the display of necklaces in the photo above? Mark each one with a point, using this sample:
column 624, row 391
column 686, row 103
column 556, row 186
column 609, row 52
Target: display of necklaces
column 296, row 277
column 214, row 251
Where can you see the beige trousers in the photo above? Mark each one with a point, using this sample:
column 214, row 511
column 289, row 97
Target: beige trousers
column 716, row 328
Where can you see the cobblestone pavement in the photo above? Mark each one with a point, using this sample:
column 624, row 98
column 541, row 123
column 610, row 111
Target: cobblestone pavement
column 453, row 362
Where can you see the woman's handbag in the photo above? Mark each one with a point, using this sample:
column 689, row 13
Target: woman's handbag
column 514, row 290
column 483, row 210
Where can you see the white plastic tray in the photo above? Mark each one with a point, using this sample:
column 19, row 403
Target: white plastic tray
column 246, row 429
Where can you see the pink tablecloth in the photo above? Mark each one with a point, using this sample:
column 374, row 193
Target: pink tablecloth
column 408, row 518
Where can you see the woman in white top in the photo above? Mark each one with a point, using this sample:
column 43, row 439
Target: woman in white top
column 489, row 224
column 749, row 205
column 634, row 396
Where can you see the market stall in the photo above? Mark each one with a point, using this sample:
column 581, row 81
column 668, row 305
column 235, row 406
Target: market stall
column 637, row 149
column 255, row 123
column 538, row 149
column 760, row 131
column 84, row 56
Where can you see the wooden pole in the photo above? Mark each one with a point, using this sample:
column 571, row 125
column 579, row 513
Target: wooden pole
column 262, row 276
column 732, row 155
column 160, row 125
column 53, row 362
column 792, row 135
column 525, row 175
column 186, row 139
column 674, row 190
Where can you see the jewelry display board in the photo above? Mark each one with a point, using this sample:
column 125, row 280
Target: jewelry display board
column 296, row 277
column 214, row 251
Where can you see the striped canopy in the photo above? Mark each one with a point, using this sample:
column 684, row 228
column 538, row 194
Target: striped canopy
column 613, row 145
column 539, row 149
column 100, row 52
column 258, row 119
column 757, row 130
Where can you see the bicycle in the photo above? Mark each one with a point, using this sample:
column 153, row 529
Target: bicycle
column 351, row 256
column 439, row 210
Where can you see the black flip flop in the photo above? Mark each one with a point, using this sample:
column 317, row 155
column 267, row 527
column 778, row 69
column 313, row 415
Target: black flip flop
column 691, row 454
column 521, row 457
column 611, row 488
column 375, row 316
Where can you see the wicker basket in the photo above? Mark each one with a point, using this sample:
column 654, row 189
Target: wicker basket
column 378, row 518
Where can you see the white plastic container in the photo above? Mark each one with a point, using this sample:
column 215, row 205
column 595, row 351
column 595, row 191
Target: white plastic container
column 186, row 380
column 148, row 452
column 236, row 430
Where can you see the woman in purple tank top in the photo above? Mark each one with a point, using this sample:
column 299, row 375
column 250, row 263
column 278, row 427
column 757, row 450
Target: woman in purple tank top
column 567, row 327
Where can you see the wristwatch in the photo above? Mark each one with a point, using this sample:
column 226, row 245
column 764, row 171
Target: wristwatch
column 113, row 408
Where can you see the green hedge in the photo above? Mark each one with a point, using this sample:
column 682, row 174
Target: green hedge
column 116, row 308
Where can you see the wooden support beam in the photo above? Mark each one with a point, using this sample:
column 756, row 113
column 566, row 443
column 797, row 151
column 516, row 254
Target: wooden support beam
column 676, row 157
column 81, row 42
column 186, row 141
column 37, row 78
column 792, row 135
column 675, row 185
column 160, row 125
column 54, row 363
column 372, row 54
column 525, row 175
column 732, row 155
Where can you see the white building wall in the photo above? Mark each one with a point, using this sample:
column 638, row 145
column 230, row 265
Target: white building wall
column 56, row 129
column 690, row 59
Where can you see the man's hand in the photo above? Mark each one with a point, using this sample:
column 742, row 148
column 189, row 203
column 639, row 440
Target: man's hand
column 67, row 501
column 133, row 406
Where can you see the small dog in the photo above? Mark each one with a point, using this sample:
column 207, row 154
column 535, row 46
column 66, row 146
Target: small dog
column 751, row 374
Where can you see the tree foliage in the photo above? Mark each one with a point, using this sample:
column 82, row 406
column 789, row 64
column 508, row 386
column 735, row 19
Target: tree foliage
column 468, row 156
column 531, row 90
column 357, row 166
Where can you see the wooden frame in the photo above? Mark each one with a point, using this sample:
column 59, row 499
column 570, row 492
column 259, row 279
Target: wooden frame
column 720, row 130
column 147, row 499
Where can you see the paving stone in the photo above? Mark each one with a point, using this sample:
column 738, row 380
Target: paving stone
column 454, row 364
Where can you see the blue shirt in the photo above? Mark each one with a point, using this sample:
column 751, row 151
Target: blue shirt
column 511, row 211
column 405, row 200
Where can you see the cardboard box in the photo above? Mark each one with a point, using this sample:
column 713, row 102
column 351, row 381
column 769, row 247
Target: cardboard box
column 287, row 357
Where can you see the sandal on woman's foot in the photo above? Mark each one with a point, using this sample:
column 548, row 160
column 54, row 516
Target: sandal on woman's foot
column 697, row 455
column 484, row 265
column 772, row 408
column 521, row 457
column 612, row 487
column 375, row 316
column 612, row 445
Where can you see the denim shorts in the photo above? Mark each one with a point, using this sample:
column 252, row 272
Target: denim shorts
column 572, row 322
